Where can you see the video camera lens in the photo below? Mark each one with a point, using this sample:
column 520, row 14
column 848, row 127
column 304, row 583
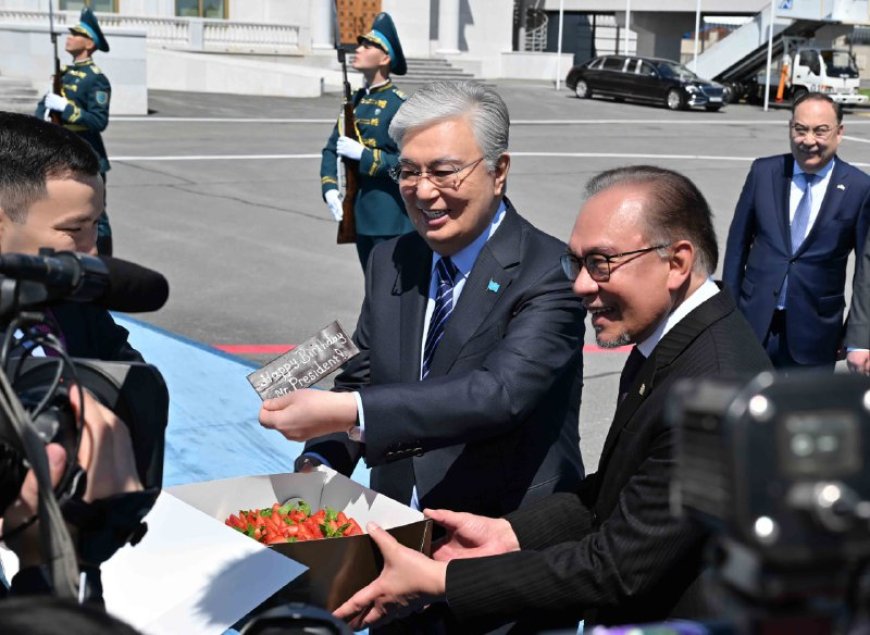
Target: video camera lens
column 776, row 468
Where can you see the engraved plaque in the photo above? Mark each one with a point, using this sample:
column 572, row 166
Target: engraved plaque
column 305, row 365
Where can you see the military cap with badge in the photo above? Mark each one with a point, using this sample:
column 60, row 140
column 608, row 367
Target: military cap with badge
column 384, row 36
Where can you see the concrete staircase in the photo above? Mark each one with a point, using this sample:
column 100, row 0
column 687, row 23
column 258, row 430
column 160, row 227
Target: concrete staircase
column 424, row 70
column 17, row 95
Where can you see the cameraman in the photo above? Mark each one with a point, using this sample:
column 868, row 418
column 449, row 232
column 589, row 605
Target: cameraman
column 51, row 195
column 106, row 455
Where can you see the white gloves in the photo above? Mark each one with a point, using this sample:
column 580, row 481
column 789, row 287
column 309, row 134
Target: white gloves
column 349, row 148
column 55, row 102
column 333, row 201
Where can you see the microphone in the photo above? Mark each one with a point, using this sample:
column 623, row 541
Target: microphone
column 132, row 288
column 111, row 283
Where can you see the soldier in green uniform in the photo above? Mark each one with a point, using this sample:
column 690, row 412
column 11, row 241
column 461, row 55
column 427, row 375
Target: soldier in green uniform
column 83, row 103
column 379, row 211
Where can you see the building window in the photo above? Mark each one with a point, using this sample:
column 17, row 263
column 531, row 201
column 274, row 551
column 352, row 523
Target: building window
column 103, row 6
column 201, row 8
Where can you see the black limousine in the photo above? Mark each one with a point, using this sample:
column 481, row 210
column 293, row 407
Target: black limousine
column 645, row 79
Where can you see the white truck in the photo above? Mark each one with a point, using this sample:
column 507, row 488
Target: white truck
column 803, row 69
column 829, row 71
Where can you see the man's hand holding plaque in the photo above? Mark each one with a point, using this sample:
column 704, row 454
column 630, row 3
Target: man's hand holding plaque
column 307, row 413
column 289, row 406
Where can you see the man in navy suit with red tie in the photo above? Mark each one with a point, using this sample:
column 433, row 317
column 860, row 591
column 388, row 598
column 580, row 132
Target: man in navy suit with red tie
column 798, row 218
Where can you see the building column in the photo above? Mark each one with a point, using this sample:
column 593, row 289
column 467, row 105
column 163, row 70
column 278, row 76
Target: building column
column 448, row 27
column 322, row 24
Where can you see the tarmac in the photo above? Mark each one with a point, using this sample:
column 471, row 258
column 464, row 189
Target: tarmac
column 221, row 193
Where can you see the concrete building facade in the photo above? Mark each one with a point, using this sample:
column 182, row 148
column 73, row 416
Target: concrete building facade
column 281, row 47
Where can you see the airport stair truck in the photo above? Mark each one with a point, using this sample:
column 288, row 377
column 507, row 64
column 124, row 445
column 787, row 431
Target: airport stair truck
column 803, row 58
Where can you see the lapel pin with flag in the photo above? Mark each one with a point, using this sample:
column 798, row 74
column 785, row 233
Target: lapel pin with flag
column 493, row 286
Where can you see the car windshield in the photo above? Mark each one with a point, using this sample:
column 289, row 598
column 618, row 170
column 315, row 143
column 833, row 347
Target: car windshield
column 674, row 70
column 839, row 64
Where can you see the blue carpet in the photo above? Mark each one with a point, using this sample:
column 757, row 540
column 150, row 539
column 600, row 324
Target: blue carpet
column 213, row 431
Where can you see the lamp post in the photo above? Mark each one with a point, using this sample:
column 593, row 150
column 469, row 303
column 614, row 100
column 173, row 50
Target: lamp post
column 559, row 46
column 769, row 55
column 697, row 35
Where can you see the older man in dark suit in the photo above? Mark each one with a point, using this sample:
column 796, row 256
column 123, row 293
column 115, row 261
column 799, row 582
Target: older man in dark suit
column 798, row 218
column 467, row 388
column 641, row 256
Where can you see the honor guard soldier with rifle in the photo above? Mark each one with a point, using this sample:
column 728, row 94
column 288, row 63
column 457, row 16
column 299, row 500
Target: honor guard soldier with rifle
column 79, row 100
column 366, row 148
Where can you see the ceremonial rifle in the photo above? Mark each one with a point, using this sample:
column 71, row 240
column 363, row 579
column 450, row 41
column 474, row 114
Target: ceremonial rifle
column 347, row 226
column 57, row 79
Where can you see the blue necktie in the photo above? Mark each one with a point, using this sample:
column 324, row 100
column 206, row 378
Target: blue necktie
column 801, row 219
column 446, row 272
column 799, row 224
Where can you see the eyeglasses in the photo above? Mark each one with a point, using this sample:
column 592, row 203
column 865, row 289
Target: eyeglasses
column 597, row 265
column 819, row 132
column 446, row 177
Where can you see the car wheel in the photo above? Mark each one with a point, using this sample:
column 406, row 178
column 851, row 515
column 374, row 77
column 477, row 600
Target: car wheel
column 582, row 90
column 714, row 108
column 675, row 100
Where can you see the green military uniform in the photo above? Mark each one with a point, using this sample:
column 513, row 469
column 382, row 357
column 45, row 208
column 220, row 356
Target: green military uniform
column 88, row 91
column 379, row 210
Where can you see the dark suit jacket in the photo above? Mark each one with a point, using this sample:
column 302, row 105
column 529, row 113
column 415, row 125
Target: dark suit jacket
column 858, row 324
column 613, row 547
column 90, row 332
column 758, row 255
column 495, row 424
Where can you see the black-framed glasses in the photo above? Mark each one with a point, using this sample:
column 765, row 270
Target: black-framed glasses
column 597, row 265
column 406, row 175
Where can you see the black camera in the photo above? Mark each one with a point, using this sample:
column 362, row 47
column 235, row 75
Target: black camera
column 778, row 469
column 34, row 395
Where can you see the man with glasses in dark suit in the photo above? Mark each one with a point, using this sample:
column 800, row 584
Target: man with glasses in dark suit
column 466, row 392
column 640, row 256
column 798, row 218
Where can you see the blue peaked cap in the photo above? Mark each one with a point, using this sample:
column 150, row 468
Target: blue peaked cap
column 90, row 28
column 383, row 34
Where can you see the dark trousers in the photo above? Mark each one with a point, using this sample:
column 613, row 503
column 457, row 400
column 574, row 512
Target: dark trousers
column 104, row 231
column 365, row 244
column 776, row 345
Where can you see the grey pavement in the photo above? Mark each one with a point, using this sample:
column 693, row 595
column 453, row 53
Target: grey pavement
column 249, row 247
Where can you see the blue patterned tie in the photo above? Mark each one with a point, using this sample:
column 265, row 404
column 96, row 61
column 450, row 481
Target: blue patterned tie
column 801, row 219
column 799, row 224
column 446, row 272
